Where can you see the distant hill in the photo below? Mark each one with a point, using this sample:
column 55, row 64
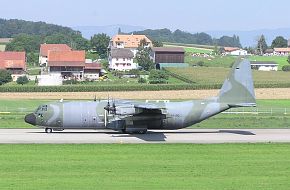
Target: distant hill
column 178, row 36
column 248, row 38
column 10, row 28
column 111, row 30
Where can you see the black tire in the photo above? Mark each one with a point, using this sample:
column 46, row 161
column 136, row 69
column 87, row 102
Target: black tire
column 48, row 130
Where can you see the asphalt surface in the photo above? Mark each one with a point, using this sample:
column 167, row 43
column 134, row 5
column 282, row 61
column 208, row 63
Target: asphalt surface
column 206, row 136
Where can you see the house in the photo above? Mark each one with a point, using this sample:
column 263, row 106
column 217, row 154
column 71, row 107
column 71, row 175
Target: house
column 121, row 59
column 15, row 62
column 281, row 51
column 69, row 64
column 269, row 52
column 92, row 70
column 168, row 55
column 131, row 42
column 45, row 48
column 264, row 65
column 289, row 43
column 235, row 51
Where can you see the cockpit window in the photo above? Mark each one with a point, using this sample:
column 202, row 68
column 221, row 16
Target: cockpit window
column 41, row 109
column 44, row 108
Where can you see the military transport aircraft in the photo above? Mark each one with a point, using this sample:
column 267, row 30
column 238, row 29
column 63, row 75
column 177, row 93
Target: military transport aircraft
column 137, row 117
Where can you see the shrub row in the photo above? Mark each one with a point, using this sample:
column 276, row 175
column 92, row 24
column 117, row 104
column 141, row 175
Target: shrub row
column 95, row 88
column 141, row 87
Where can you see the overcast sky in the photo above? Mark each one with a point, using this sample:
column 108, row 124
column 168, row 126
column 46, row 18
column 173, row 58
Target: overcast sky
column 189, row 15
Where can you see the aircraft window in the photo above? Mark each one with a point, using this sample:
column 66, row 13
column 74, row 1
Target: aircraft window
column 44, row 108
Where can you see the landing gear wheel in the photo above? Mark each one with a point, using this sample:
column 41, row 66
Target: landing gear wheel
column 48, row 130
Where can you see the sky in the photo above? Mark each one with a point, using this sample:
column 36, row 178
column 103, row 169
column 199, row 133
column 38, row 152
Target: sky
column 188, row 15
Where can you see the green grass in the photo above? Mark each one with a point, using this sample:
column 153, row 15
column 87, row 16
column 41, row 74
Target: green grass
column 218, row 61
column 2, row 47
column 210, row 75
column 281, row 60
column 184, row 166
column 274, row 117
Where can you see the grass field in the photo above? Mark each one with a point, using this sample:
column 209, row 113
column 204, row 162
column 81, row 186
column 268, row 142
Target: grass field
column 281, row 60
column 185, row 166
column 209, row 75
column 2, row 47
column 272, row 114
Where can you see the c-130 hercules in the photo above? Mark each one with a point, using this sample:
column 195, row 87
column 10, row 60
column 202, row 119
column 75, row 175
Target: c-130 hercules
column 137, row 117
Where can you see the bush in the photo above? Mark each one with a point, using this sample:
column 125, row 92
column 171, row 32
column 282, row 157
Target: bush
column 200, row 63
column 158, row 77
column 22, row 80
column 142, row 80
column 286, row 68
column 5, row 77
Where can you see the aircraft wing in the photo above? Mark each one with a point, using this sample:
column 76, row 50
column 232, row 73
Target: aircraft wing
column 148, row 106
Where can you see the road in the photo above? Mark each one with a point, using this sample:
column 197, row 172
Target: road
column 206, row 136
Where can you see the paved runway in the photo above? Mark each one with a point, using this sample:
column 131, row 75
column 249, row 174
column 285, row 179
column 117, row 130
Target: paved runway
column 23, row 136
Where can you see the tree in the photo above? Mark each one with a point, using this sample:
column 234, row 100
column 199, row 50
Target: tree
column 279, row 42
column 119, row 31
column 157, row 43
column 288, row 59
column 5, row 77
column 143, row 56
column 100, row 43
column 25, row 42
column 262, row 45
column 22, row 80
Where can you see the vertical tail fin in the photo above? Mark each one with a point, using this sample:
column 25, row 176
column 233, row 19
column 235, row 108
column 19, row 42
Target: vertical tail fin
column 238, row 88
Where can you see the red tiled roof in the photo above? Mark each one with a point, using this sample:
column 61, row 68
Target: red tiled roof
column 45, row 48
column 96, row 66
column 282, row 49
column 9, row 60
column 66, row 58
column 230, row 49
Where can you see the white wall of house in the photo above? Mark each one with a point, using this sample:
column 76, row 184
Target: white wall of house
column 267, row 67
column 50, row 80
column 92, row 76
column 122, row 64
column 239, row 52
column 281, row 53
column 42, row 61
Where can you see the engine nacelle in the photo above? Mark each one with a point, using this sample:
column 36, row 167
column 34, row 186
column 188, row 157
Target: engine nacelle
column 127, row 110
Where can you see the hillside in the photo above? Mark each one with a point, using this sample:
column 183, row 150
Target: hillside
column 27, row 36
column 178, row 36
column 10, row 28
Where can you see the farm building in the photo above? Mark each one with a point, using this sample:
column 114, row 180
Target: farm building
column 15, row 62
column 121, row 60
column 72, row 65
column 167, row 55
column 281, row 51
column 264, row 65
column 45, row 48
column 235, row 51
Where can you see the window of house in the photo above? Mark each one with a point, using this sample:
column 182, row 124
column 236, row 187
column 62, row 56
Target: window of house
column 128, row 64
column 124, row 59
column 117, row 59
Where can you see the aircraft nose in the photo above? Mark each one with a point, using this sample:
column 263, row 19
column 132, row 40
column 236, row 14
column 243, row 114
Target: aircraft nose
column 30, row 118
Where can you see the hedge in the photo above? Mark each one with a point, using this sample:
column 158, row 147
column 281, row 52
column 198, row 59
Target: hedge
column 141, row 87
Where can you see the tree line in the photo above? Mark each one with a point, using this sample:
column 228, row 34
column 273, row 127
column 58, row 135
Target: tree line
column 178, row 36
